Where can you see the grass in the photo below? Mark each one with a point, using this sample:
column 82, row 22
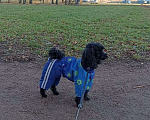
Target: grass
column 123, row 30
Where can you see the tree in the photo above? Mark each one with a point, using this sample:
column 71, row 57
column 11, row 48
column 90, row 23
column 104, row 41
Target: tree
column 24, row 2
column 66, row 2
column 69, row 2
column 56, row 1
column 52, row 1
column 20, row 1
column 78, row 2
column 30, row 1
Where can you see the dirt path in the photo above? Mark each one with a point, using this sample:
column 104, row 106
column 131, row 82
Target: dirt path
column 121, row 91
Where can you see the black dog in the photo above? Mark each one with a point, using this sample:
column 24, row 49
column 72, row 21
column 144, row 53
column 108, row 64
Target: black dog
column 51, row 72
column 73, row 69
column 91, row 57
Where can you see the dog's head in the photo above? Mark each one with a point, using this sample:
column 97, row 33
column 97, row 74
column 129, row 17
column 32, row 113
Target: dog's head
column 92, row 55
column 54, row 53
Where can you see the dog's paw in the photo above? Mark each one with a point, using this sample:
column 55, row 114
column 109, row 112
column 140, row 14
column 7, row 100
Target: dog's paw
column 44, row 96
column 53, row 89
column 42, row 92
column 55, row 93
column 86, row 98
column 77, row 99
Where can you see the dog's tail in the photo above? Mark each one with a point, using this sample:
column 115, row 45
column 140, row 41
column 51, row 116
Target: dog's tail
column 54, row 53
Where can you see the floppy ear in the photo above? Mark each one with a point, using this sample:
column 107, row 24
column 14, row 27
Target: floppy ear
column 88, row 58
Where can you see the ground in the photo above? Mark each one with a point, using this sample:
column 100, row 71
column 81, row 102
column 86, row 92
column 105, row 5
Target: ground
column 121, row 91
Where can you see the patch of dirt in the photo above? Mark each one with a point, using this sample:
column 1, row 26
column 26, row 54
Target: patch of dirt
column 121, row 91
column 15, row 52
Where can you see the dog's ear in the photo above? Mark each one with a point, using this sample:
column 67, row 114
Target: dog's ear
column 88, row 58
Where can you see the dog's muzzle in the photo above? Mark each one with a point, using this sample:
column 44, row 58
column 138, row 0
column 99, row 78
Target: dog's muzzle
column 104, row 56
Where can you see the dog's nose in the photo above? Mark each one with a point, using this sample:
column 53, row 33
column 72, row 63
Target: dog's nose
column 104, row 56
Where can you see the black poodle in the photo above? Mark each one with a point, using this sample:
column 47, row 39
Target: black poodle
column 77, row 69
column 73, row 69
column 51, row 73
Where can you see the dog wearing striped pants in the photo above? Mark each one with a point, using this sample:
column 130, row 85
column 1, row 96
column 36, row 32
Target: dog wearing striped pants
column 73, row 69
column 51, row 73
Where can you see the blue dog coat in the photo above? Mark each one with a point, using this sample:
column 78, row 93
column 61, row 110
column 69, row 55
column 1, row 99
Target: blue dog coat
column 51, row 73
column 74, row 71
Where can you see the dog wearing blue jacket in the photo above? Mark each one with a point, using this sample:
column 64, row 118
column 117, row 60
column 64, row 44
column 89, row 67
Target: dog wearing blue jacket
column 52, row 72
column 73, row 69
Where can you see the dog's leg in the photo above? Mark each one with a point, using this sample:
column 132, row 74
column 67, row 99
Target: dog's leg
column 77, row 99
column 86, row 98
column 42, row 91
column 53, row 89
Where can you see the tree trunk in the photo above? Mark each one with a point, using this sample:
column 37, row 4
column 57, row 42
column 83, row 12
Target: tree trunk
column 66, row 2
column 78, row 2
column 30, row 1
column 20, row 1
column 24, row 2
column 52, row 1
column 57, row 2
column 69, row 2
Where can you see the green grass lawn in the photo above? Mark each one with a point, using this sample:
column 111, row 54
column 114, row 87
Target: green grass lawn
column 123, row 30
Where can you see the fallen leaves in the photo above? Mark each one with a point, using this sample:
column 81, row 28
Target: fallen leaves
column 141, row 86
column 20, row 58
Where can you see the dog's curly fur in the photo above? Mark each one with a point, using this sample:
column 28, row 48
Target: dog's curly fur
column 54, row 53
column 91, row 57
